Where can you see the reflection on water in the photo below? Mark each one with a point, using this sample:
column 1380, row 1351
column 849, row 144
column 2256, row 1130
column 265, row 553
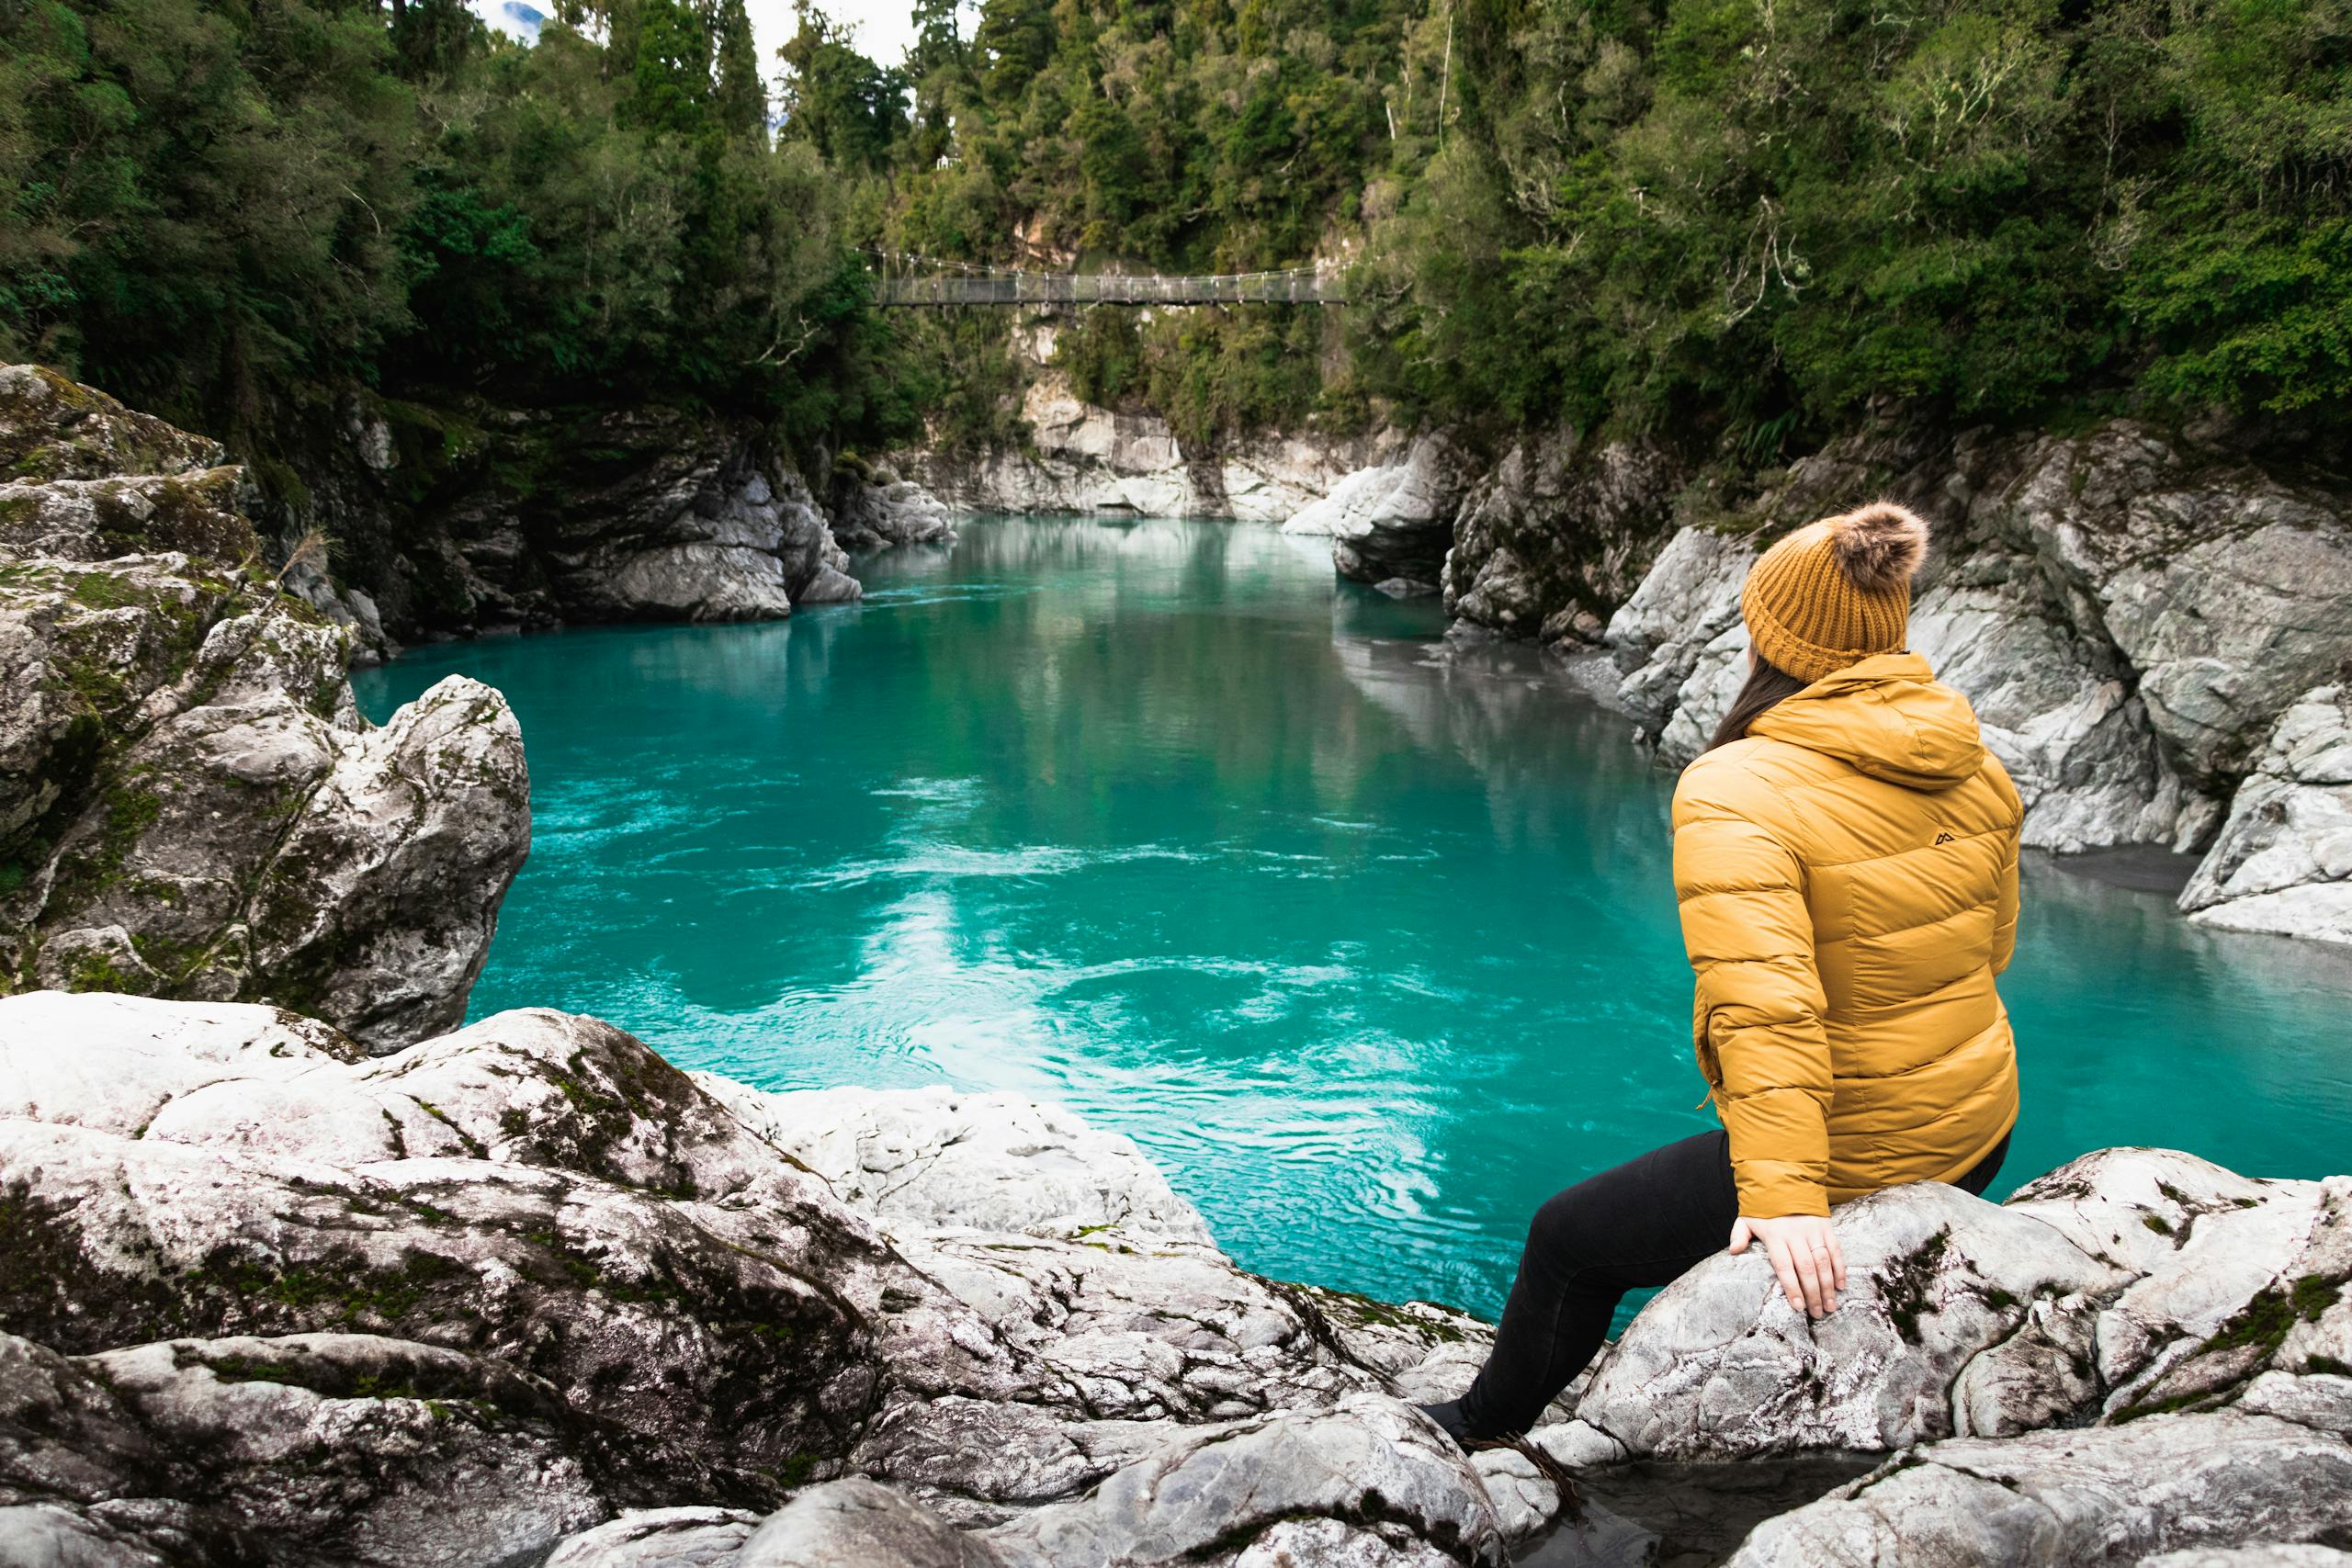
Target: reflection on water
column 1367, row 937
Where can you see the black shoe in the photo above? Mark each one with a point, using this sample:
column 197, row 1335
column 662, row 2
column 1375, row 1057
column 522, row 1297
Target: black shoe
column 1449, row 1417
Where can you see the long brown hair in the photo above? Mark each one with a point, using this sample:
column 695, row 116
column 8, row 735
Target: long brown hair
column 1767, row 684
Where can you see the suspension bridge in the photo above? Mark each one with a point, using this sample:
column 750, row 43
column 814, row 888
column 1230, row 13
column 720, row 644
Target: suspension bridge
column 903, row 279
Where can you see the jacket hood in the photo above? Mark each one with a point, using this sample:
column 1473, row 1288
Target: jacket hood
column 1889, row 718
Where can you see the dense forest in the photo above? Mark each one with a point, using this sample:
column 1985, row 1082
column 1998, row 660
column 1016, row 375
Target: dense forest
column 1746, row 217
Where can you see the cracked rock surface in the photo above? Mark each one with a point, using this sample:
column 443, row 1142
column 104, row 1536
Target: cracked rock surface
column 1395, row 521
column 526, row 1293
column 1078, row 458
column 1557, row 533
column 190, row 803
column 527, row 1286
column 877, row 509
column 2152, row 634
column 2283, row 861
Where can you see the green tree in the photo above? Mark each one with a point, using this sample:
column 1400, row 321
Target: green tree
column 1015, row 41
column 435, row 38
column 740, row 98
column 837, row 100
column 202, row 202
column 671, row 70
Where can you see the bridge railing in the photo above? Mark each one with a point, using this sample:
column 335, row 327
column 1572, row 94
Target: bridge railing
column 1300, row 286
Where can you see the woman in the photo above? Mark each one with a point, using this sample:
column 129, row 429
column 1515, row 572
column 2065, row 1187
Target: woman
column 1846, row 860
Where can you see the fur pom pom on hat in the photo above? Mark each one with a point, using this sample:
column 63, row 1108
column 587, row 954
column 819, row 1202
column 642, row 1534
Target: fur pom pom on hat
column 1835, row 591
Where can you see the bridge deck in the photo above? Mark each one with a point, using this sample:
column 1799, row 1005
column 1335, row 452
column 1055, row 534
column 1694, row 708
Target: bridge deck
column 1049, row 288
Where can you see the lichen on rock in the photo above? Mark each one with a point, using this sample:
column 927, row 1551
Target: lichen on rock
column 193, row 804
column 529, row 1287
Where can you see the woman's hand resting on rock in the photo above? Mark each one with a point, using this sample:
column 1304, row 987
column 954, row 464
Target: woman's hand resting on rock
column 1803, row 1252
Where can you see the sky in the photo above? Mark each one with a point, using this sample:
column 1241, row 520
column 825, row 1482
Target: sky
column 884, row 29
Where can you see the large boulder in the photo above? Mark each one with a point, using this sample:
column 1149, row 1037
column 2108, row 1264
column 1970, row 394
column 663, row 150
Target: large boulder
column 535, row 1227
column 1720, row 1367
column 1395, row 523
column 875, row 509
column 2223, row 585
column 658, row 518
column 1558, row 533
column 2109, row 1495
column 2057, row 707
column 456, row 1460
column 2283, row 861
column 1679, row 643
column 190, row 802
column 933, row 1158
column 526, row 1293
column 2129, row 1281
column 2138, row 1313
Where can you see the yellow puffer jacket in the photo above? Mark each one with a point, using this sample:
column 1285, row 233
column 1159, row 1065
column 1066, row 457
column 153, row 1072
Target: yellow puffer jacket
column 1848, row 881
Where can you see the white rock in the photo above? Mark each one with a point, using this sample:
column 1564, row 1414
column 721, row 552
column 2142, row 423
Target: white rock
column 875, row 513
column 939, row 1157
column 1238, row 1482
column 1524, row 1499
column 2319, row 1400
column 1661, row 634
column 852, row 1523
column 437, row 799
column 1400, row 524
column 227, row 826
column 1082, row 458
column 1576, row 1444
column 1720, row 1366
column 110, row 1063
column 2106, row 1494
column 2055, row 707
column 308, row 1261
column 659, row 1537
column 2269, row 1554
column 2283, row 861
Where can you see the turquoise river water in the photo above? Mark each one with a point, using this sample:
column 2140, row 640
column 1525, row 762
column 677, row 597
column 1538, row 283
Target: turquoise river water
column 1367, row 939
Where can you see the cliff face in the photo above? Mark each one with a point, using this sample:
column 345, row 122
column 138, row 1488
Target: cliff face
column 2136, row 614
column 2135, row 620
column 190, row 803
column 526, row 1294
column 1080, row 458
column 464, row 516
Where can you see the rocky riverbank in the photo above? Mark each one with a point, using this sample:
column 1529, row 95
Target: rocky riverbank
column 193, row 804
column 322, row 1281
column 2155, row 625
column 1077, row 457
column 463, row 517
column 526, row 1293
column 2153, row 636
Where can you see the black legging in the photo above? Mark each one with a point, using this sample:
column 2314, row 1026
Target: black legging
column 1645, row 1222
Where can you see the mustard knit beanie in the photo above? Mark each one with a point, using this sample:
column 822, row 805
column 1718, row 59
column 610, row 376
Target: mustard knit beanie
column 1835, row 591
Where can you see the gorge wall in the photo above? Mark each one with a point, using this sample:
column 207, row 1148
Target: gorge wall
column 2154, row 631
column 330, row 1281
column 2155, row 624
column 1074, row 456
column 463, row 517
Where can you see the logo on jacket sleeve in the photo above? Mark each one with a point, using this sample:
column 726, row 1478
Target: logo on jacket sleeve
column 1946, row 839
